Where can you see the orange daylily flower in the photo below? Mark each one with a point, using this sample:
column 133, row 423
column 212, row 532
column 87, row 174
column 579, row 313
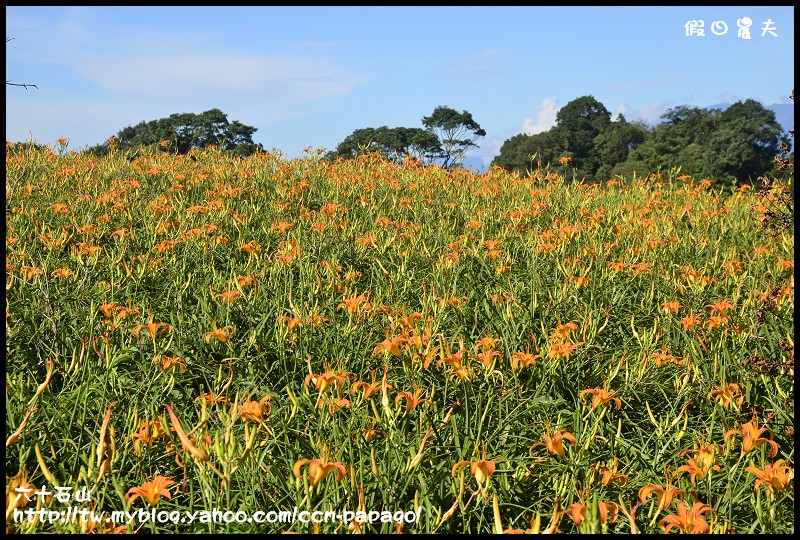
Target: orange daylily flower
column 456, row 362
column 690, row 321
column 19, row 492
column 487, row 343
column 727, row 395
column 152, row 328
column 59, row 208
column 555, row 443
column 721, row 307
column 751, row 437
column 29, row 271
column 244, row 281
column 390, row 345
column 290, row 322
column 151, row 491
column 523, row 359
column 563, row 331
column 481, row 468
column 211, row 398
column 148, row 432
column 696, row 470
column 62, row 273
column 352, row 304
column 170, row 362
column 408, row 321
column 337, row 404
column 611, row 475
column 412, row 400
column 219, row 334
column 323, row 380
column 252, row 247
column 601, row 397
column 716, row 321
column 562, row 350
column 774, row 475
column 704, row 455
column 254, row 410
column 318, row 469
column 487, row 357
column 688, row 521
column 283, row 226
column 671, row 307
column 664, row 495
column 664, row 357
column 607, row 511
column 368, row 388
column 229, row 296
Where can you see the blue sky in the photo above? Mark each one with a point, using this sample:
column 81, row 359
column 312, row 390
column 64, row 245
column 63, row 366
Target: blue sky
column 310, row 76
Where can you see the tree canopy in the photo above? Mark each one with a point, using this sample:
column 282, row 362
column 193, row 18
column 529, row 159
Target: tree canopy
column 456, row 132
column 187, row 131
column 446, row 137
column 392, row 143
column 731, row 146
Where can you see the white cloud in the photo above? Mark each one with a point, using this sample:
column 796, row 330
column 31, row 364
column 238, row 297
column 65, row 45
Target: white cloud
column 291, row 80
column 650, row 113
column 489, row 149
column 545, row 117
column 727, row 97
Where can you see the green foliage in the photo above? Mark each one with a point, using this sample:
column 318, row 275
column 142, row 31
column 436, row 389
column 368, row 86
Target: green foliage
column 516, row 152
column 585, row 133
column 266, row 301
column 447, row 136
column 613, row 145
column 732, row 146
column 188, row 131
column 580, row 122
column 391, row 143
column 456, row 132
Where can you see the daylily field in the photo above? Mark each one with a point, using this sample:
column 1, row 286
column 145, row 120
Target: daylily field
column 493, row 352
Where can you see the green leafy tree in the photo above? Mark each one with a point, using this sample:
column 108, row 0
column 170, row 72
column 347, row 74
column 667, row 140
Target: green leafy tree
column 187, row 131
column 613, row 145
column 733, row 146
column 456, row 132
column 677, row 141
column 743, row 146
column 578, row 123
column 584, row 132
column 527, row 152
column 392, row 143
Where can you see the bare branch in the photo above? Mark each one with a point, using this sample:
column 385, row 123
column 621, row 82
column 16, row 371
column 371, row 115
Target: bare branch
column 26, row 85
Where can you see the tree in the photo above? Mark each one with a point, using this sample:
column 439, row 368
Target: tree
column 392, row 143
column 517, row 153
column 677, row 141
column 584, row 132
column 187, row 131
column 613, row 145
column 734, row 145
column 579, row 122
column 743, row 146
column 456, row 132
